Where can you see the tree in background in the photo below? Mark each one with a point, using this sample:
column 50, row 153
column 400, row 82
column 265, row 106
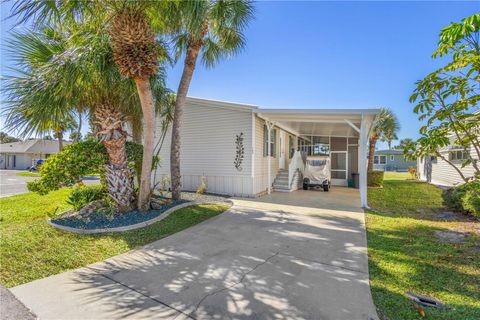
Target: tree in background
column 385, row 127
column 5, row 138
column 447, row 100
column 212, row 29
column 403, row 143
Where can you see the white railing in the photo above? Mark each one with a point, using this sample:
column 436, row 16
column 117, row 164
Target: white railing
column 296, row 163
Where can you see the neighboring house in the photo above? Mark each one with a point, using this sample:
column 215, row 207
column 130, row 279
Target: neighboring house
column 392, row 160
column 226, row 145
column 437, row 171
column 22, row 154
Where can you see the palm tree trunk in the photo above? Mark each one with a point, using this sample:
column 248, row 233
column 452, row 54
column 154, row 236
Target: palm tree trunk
column 119, row 175
column 371, row 152
column 136, row 125
column 148, row 109
column 79, row 129
column 189, row 66
column 60, row 140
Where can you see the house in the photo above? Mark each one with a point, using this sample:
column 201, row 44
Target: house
column 438, row 171
column 226, row 145
column 22, row 154
column 391, row 160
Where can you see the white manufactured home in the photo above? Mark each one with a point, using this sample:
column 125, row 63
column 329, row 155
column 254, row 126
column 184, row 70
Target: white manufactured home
column 227, row 146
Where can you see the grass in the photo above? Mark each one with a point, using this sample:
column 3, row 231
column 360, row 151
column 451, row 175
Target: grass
column 406, row 255
column 28, row 174
column 31, row 249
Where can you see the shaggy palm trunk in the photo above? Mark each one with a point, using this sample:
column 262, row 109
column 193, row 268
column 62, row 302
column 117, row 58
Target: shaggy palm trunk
column 190, row 61
column 148, row 109
column 60, row 140
column 371, row 152
column 119, row 176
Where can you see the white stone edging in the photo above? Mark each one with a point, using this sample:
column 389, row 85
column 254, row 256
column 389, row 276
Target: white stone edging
column 139, row 225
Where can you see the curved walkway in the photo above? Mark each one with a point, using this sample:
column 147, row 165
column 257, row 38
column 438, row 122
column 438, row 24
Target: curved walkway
column 299, row 255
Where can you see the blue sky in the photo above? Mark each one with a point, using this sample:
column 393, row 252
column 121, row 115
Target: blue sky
column 327, row 55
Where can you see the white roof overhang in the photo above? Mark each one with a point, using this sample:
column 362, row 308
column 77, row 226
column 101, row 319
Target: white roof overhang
column 321, row 122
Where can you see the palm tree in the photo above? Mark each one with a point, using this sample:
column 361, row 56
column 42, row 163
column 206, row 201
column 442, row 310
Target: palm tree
column 135, row 48
column 212, row 29
column 81, row 72
column 403, row 143
column 385, row 127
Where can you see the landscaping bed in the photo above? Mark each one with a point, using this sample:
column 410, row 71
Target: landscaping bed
column 31, row 249
column 416, row 244
column 100, row 220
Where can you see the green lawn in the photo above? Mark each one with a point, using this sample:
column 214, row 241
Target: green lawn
column 31, row 249
column 406, row 255
column 28, row 174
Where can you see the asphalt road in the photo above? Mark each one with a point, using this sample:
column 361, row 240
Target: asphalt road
column 11, row 184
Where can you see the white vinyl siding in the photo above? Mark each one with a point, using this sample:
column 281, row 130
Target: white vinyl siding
column 445, row 174
column 208, row 149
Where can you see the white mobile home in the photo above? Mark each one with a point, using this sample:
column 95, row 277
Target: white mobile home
column 226, row 144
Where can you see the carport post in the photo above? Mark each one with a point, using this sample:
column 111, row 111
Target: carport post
column 365, row 126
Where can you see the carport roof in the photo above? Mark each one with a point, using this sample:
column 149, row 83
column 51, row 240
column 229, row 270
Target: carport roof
column 322, row 122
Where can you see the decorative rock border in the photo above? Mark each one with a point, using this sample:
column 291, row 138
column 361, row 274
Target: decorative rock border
column 139, row 225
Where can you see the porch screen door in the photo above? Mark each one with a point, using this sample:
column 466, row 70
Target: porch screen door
column 339, row 167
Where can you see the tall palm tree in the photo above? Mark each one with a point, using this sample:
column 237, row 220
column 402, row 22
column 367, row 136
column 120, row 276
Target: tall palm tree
column 82, row 73
column 213, row 30
column 385, row 127
column 135, row 47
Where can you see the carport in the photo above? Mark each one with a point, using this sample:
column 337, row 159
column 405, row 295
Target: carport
column 343, row 133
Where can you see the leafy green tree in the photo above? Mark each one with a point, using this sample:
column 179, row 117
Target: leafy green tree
column 447, row 100
column 403, row 143
column 385, row 127
column 211, row 29
column 6, row 138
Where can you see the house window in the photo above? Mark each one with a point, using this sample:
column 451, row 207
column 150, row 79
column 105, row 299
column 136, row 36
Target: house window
column 458, row 155
column 392, row 157
column 433, row 159
column 380, row 159
column 273, row 141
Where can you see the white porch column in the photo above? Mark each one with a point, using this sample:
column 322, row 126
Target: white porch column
column 269, row 154
column 365, row 126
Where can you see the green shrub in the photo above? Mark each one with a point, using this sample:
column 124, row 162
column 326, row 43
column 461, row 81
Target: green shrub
column 77, row 160
column 375, row 178
column 471, row 202
column 465, row 197
column 82, row 195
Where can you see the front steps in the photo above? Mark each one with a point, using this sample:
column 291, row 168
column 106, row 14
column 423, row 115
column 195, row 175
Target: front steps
column 280, row 184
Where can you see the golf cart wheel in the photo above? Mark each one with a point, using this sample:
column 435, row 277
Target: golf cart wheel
column 305, row 186
column 326, row 188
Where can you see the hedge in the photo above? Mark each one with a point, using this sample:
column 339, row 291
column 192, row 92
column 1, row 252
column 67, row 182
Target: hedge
column 375, row 178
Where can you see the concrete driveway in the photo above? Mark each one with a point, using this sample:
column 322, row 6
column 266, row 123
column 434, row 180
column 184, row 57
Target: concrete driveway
column 11, row 184
column 299, row 255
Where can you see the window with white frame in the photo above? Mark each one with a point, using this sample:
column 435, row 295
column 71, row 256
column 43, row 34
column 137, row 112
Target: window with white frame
column 458, row 155
column 380, row 159
column 273, row 140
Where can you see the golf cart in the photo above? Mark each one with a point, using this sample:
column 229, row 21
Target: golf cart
column 36, row 164
column 317, row 173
